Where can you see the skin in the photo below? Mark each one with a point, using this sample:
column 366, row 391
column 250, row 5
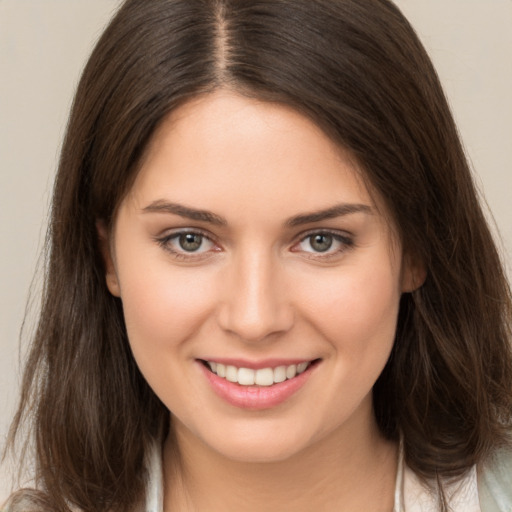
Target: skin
column 257, row 288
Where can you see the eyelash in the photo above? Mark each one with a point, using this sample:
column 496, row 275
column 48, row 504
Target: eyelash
column 345, row 240
column 165, row 243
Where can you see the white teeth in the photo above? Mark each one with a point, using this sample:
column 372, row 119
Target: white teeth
column 291, row 371
column 221, row 370
column 232, row 373
column 260, row 377
column 280, row 374
column 301, row 367
column 246, row 376
column 264, row 377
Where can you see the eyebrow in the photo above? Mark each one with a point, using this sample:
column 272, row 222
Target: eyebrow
column 161, row 206
column 339, row 210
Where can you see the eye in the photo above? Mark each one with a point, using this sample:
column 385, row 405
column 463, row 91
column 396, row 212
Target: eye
column 185, row 244
column 321, row 242
column 324, row 244
column 190, row 242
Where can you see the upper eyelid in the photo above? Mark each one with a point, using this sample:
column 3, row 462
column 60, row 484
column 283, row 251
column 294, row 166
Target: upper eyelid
column 329, row 231
column 207, row 234
column 345, row 240
column 168, row 235
column 342, row 236
column 164, row 241
column 174, row 232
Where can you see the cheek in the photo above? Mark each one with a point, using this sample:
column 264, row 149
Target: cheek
column 356, row 310
column 163, row 304
column 164, row 308
column 356, row 313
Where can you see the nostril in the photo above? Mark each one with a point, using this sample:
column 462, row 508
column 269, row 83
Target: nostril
column 255, row 324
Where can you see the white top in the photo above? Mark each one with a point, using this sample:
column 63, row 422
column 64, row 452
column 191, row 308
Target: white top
column 410, row 494
column 486, row 489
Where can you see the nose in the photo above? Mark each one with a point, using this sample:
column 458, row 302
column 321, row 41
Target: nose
column 255, row 303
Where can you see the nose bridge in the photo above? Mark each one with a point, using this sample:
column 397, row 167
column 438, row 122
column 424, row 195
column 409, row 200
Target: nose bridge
column 256, row 303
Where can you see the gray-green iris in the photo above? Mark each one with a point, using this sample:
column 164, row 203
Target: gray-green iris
column 321, row 242
column 190, row 242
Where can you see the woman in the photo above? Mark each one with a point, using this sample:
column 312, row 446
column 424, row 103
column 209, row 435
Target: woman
column 270, row 284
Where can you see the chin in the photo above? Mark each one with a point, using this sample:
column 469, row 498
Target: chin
column 260, row 445
column 258, row 453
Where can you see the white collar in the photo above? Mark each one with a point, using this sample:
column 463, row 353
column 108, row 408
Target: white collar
column 411, row 495
column 155, row 483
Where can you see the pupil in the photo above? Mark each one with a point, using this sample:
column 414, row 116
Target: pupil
column 321, row 243
column 190, row 242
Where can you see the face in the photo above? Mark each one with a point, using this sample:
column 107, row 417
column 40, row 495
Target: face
column 259, row 279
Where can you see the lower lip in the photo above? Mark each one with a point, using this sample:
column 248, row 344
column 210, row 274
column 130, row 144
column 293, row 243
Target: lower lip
column 255, row 397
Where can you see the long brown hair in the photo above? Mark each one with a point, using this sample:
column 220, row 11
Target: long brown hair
column 357, row 69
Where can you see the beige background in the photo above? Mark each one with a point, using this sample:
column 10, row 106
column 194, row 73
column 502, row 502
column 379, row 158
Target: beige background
column 43, row 46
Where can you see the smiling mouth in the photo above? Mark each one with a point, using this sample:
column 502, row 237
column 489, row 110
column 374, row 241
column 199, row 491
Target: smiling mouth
column 261, row 377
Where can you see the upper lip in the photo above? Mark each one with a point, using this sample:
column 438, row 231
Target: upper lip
column 257, row 365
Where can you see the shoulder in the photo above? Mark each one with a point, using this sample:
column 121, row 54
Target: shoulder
column 486, row 487
column 25, row 500
column 495, row 482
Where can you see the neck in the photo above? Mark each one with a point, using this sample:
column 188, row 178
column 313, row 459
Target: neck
column 356, row 470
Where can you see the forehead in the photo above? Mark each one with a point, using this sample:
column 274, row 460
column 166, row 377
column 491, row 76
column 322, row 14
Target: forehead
column 247, row 152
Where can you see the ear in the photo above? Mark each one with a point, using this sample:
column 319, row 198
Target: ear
column 414, row 273
column 108, row 260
